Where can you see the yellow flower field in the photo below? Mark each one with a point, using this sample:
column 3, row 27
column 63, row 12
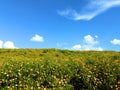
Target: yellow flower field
column 53, row 69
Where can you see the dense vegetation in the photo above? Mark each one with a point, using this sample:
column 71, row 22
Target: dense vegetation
column 54, row 69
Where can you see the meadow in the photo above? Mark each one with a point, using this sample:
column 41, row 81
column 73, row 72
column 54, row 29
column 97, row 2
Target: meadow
column 54, row 69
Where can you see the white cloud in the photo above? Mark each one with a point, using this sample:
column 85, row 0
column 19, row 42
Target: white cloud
column 99, row 48
column 76, row 47
column 96, row 36
column 9, row 44
column 74, row 15
column 89, row 43
column 115, row 42
column 37, row 38
column 89, row 40
column 1, row 43
column 92, row 9
column 90, row 47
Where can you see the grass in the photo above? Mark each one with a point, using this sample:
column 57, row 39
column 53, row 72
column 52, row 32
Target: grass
column 52, row 69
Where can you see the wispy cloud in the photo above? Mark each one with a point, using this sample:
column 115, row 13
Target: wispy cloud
column 91, row 10
column 37, row 38
column 61, row 44
column 115, row 42
column 89, row 43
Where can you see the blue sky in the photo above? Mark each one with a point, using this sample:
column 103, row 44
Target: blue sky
column 63, row 24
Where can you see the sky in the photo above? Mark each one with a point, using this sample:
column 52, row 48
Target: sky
column 61, row 24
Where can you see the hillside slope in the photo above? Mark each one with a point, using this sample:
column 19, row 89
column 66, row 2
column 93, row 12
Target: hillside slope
column 58, row 69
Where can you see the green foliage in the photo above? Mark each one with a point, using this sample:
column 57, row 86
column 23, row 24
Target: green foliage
column 42, row 69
